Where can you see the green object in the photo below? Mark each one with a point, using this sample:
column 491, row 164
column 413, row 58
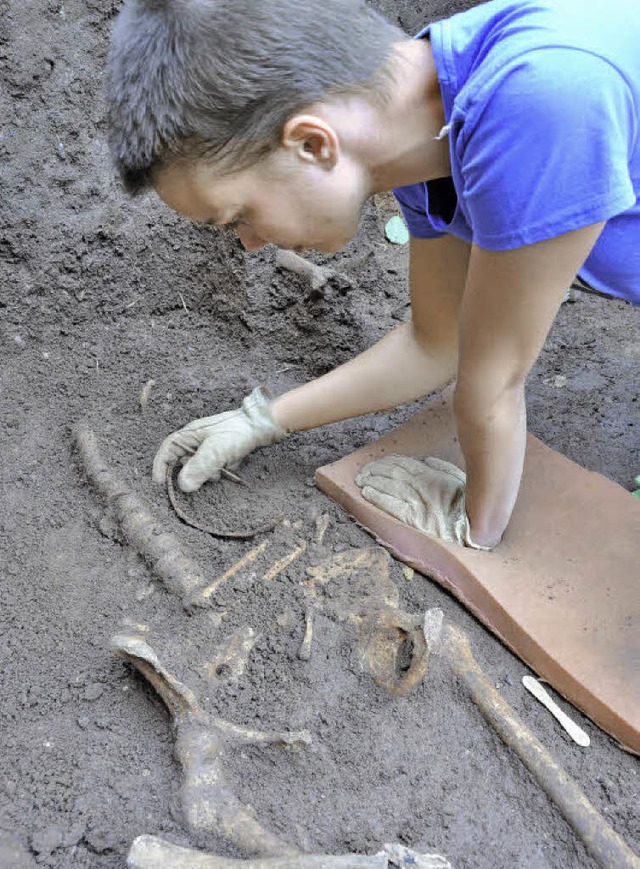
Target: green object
column 636, row 494
column 396, row 231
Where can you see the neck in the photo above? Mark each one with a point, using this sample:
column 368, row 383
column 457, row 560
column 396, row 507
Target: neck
column 396, row 143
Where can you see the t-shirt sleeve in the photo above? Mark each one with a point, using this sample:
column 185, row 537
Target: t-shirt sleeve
column 412, row 200
column 548, row 152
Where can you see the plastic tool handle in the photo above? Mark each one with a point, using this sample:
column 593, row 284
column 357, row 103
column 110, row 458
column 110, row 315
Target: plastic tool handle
column 576, row 733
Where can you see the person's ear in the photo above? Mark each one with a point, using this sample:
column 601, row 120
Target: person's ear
column 312, row 140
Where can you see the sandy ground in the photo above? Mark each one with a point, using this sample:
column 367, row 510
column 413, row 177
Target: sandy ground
column 98, row 296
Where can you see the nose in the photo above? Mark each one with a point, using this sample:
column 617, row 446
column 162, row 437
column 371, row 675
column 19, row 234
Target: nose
column 249, row 239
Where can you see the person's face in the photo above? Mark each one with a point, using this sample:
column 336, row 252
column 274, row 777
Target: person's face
column 305, row 195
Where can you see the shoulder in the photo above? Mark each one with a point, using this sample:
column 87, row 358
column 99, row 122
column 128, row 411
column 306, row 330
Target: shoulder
column 548, row 85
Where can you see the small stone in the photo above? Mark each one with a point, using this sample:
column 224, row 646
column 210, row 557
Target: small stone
column 557, row 382
column 83, row 721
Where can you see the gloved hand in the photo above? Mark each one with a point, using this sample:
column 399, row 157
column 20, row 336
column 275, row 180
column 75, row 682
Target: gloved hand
column 220, row 441
column 426, row 494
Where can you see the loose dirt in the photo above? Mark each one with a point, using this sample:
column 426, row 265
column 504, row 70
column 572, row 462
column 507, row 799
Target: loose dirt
column 98, row 296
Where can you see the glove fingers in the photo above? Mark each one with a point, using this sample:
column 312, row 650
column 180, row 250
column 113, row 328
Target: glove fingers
column 204, row 465
column 396, row 507
column 393, row 467
column 181, row 443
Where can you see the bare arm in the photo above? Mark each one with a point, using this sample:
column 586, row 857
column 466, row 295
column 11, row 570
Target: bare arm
column 510, row 301
column 411, row 361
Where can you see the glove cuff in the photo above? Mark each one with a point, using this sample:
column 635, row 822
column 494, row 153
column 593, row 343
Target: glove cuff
column 257, row 406
column 466, row 536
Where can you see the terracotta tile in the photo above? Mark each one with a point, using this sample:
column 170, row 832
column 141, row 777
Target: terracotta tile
column 562, row 590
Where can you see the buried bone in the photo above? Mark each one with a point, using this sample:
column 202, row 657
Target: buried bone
column 151, row 852
column 159, row 548
column 604, row 844
column 356, row 587
column 304, row 652
column 317, row 276
column 392, row 650
column 202, row 741
column 230, row 662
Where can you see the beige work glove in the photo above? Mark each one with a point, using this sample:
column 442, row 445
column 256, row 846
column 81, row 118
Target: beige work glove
column 426, row 494
column 220, row 441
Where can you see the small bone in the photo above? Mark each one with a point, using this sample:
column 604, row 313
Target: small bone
column 150, row 852
column 317, row 276
column 230, row 662
column 403, row 858
column 284, row 562
column 576, row 733
column 202, row 595
column 243, row 736
column 322, row 525
column 146, row 392
column 304, row 653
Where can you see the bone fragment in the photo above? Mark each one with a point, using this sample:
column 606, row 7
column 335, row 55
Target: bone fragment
column 403, row 858
column 150, row 852
column 159, row 548
column 230, row 662
column 304, row 652
column 146, row 392
column 202, row 741
column 201, row 597
column 284, row 562
column 361, row 582
column 599, row 838
column 322, row 525
column 317, row 276
column 540, row 693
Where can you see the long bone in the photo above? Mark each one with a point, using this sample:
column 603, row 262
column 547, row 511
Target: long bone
column 150, row 852
column 159, row 548
column 609, row 849
column 208, row 804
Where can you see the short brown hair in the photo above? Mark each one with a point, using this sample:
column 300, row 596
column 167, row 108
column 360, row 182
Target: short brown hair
column 218, row 79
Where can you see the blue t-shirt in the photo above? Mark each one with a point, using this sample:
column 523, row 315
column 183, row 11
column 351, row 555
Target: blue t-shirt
column 542, row 105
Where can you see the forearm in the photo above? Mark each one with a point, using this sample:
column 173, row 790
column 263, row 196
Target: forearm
column 492, row 432
column 396, row 370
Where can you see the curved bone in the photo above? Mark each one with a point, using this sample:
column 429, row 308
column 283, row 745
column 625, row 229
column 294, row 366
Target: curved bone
column 383, row 637
column 208, row 803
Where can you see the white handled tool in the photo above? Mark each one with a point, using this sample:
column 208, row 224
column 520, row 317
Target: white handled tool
column 576, row 733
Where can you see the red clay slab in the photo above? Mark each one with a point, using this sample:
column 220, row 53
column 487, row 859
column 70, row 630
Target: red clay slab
column 562, row 589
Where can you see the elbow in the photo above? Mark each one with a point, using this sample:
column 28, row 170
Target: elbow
column 483, row 397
